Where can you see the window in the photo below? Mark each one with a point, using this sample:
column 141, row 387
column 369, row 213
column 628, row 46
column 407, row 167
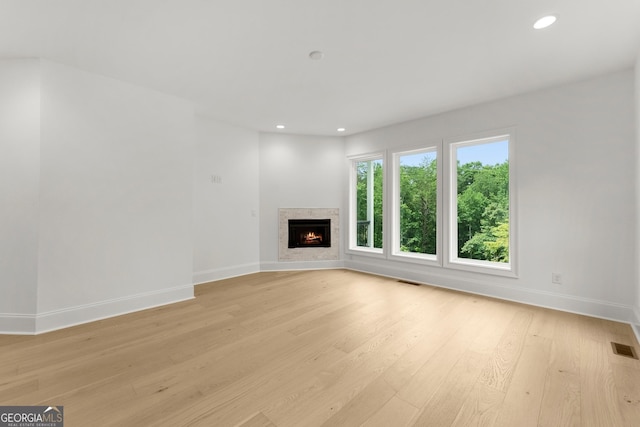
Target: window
column 367, row 204
column 481, row 208
column 415, row 207
column 452, row 208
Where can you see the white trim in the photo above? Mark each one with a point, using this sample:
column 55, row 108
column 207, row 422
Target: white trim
column 352, row 214
column 552, row 300
column 394, row 203
column 30, row 324
column 214, row 274
column 301, row 265
column 17, row 324
column 636, row 330
column 451, row 259
column 480, row 266
column 635, row 323
column 416, row 258
column 64, row 318
column 364, row 251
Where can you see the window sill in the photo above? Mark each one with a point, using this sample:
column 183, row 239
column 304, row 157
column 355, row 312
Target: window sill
column 416, row 258
column 482, row 267
column 365, row 251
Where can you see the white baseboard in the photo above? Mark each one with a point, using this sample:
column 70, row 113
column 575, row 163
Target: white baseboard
column 301, row 265
column 58, row 319
column 635, row 323
column 206, row 276
column 30, row 324
column 568, row 303
column 17, row 324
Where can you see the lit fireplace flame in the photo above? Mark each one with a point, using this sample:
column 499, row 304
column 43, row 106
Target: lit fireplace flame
column 312, row 237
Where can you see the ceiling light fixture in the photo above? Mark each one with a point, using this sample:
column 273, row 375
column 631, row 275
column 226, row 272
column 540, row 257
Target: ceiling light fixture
column 279, row 126
column 341, row 129
column 316, row 55
column 544, row 22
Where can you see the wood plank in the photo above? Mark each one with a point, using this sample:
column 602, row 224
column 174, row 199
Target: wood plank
column 521, row 405
column 325, row 394
column 500, row 369
column 561, row 398
column 600, row 400
column 443, row 407
column 355, row 412
column 396, row 412
column 258, row 420
column 625, row 375
column 442, row 318
column 481, row 407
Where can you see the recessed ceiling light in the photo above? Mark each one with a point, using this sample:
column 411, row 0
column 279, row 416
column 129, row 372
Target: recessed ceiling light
column 544, row 22
column 341, row 129
column 316, row 55
column 279, row 126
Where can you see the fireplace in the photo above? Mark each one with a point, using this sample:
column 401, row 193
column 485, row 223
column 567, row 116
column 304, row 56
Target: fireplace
column 309, row 233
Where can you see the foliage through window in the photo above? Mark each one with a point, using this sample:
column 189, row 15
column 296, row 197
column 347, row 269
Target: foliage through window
column 369, row 203
column 416, row 202
column 482, row 208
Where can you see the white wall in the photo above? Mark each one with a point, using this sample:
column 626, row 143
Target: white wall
column 297, row 172
column 576, row 181
column 115, row 198
column 636, row 320
column 226, row 201
column 19, row 177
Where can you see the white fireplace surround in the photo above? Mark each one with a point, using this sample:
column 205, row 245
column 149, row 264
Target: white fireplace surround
column 285, row 253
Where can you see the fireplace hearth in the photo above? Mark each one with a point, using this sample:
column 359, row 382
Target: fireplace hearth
column 309, row 233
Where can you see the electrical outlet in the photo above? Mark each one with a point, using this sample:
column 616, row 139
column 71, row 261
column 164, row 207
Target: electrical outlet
column 556, row 278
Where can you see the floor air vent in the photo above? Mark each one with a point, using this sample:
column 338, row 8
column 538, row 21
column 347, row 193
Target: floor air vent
column 624, row 350
column 409, row 283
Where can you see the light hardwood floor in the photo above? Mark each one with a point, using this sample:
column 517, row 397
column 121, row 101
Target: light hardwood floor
column 329, row 348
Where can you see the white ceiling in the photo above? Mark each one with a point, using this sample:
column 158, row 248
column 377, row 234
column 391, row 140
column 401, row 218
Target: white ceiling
column 385, row 61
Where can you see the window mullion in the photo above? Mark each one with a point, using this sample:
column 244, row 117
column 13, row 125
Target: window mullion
column 370, row 204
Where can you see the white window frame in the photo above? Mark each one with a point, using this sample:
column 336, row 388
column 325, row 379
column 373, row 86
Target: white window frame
column 353, row 211
column 451, row 210
column 429, row 259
